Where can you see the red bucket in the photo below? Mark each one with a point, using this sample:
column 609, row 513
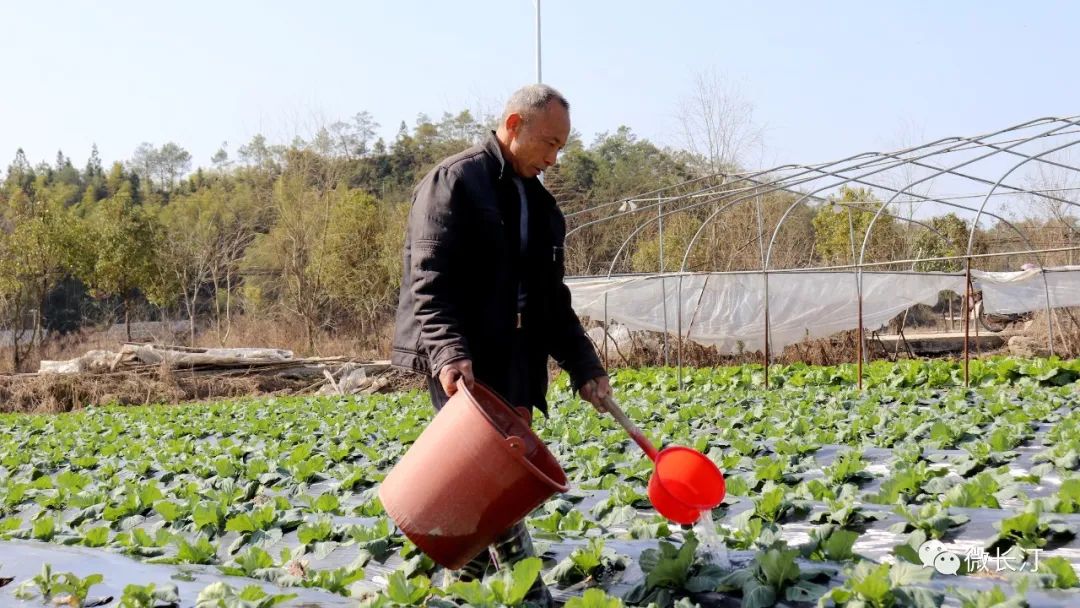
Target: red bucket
column 476, row 470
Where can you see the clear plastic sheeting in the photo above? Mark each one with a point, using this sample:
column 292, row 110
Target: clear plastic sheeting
column 727, row 310
column 1025, row 290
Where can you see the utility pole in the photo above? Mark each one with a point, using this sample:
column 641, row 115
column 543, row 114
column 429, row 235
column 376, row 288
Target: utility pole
column 539, row 78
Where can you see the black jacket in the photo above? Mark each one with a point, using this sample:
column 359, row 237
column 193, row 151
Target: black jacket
column 461, row 270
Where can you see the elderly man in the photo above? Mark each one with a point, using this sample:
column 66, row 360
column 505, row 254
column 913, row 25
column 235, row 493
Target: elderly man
column 482, row 296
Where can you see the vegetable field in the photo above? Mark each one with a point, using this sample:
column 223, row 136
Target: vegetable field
column 833, row 495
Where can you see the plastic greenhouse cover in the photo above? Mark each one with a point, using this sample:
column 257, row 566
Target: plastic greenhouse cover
column 727, row 310
column 1015, row 292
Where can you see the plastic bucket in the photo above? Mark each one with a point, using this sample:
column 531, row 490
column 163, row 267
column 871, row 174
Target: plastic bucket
column 684, row 483
column 476, row 470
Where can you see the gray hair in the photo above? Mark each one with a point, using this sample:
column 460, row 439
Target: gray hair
column 531, row 98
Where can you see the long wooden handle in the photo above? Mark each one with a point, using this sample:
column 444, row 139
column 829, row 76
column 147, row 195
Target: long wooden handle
column 631, row 428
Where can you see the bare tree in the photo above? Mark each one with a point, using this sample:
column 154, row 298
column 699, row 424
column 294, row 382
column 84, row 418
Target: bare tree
column 146, row 162
column 1057, row 189
column 230, row 244
column 352, row 139
column 909, row 179
column 1056, row 198
column 717, row 123
column 284, row 264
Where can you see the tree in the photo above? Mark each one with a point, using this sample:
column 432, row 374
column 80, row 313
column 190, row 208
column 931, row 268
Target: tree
column 626, row 165
column 146, row 162
column 912, row 182
column 173, row 163
column 678, row 230
column 124, row 239
column 20, row 175
column 283, row 264
column 322, row 143
column 220, row 159
column 718, row 123
column 948, row 237
column 460, row 128
column 736, row 238
column 93, row 164
column 205, row 235
column 617, row 165
column 257, row 153
column 841, row 224
column 13, row 300
column 94, row 179
column 1055, row 197
column 350, row 140
column 362, row 257
column 42, row 246
column 363, row 130
column 62, row 162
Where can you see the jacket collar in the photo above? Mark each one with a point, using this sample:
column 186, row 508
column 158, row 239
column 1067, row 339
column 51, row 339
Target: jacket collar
column 500, row 168
column 504, row 170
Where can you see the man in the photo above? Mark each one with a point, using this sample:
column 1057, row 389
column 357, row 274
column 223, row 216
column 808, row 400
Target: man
column 482, row 295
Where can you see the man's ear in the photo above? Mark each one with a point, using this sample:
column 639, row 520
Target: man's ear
column 513, row 123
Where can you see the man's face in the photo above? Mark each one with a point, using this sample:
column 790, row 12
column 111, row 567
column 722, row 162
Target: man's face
column 535, row 140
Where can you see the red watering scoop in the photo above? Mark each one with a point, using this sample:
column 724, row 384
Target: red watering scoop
column 684, row 481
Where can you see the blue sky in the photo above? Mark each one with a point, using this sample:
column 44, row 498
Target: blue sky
column 827, row 79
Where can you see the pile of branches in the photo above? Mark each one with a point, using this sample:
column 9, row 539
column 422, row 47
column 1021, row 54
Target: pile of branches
column 139, row 374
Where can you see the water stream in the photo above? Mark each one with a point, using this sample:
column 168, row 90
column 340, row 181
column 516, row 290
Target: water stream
column 711, row 543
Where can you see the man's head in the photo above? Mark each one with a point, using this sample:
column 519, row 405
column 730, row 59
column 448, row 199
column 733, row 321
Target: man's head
column 534, row 127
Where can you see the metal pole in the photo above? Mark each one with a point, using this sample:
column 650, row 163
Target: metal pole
column 1049, row 309
column 967, row 317
column 678, row 324
column 607, row 335
column 539, row 77
column 859, row 346
column 858, row 294
column 765, row 277
column 539, row 80
column 663, row 281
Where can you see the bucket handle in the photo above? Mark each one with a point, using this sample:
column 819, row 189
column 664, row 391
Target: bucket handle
column 631, row 428
column 525, row 413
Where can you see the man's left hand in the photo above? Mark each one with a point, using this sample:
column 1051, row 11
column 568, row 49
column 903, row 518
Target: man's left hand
column 596, row 392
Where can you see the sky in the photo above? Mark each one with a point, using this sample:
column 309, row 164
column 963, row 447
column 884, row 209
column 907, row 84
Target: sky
column 825, row 79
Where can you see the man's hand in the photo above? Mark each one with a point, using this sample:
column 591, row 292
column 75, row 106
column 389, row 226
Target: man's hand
column 449, row 374
column 596, row 392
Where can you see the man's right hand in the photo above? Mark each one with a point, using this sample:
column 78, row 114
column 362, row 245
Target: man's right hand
column 449, row 374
